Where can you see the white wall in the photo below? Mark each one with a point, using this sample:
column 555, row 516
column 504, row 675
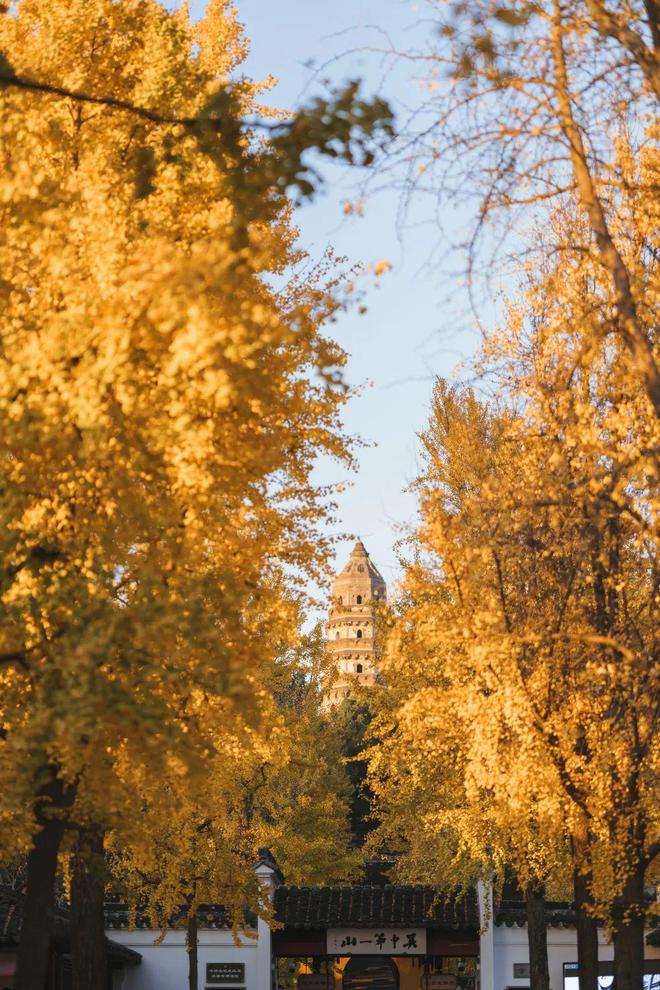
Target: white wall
column 165, row 966
column 510, row 945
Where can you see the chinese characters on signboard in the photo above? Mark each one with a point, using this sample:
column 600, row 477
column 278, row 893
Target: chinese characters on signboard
column 376, row 941
column 222, row 972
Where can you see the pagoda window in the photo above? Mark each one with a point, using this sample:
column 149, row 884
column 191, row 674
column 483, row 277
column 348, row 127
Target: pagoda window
column 358, row 668
column 359, row 599
column 337, row 635
column 359, row 634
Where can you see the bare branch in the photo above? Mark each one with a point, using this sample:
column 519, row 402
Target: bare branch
column 617, row 26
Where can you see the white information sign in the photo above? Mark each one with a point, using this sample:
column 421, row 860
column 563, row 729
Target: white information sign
column 376, row 941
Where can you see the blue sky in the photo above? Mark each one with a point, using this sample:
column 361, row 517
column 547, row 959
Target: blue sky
column 417, row 324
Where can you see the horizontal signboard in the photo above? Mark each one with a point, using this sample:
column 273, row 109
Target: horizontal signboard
column 376, row 941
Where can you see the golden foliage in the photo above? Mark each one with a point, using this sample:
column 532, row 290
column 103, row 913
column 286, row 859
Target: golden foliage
column 164, row 400
column 522, row 694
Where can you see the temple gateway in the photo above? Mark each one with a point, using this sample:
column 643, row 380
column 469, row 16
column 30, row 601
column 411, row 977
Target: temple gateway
column 362, row 937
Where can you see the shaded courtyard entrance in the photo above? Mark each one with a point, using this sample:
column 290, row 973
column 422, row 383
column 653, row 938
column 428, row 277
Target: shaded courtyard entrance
column 369, row 937
column 362, row 972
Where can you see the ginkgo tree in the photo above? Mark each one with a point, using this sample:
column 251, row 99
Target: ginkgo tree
column 526, row 102
column 193, row 841
column 523, row 667
column 590, row 499
column 279, row 785
column 163, row 403
column 451, row 818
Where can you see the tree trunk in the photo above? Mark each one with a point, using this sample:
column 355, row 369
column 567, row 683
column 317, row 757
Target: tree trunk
column 87, row 925
column 587, row 934
column 585, row 922
column 37, row 926
column 629, row 933
column 539, row 976
column 191, row 945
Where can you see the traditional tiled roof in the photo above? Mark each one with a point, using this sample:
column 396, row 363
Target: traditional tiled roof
column 210, row 916
column 366, row 905
column 116, row 952
column 558, row 914
column 12, row 903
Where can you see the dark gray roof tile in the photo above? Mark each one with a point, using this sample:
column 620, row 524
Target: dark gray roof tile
column 365, row 905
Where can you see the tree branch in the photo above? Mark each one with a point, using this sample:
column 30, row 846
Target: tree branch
column 216, row 123
column 632, row 331
column 617, row 26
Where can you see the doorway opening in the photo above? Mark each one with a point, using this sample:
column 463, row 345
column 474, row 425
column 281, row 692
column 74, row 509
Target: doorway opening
column 370, row 973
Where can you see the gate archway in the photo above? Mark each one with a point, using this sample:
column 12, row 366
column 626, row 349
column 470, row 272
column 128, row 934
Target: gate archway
column 370, row 973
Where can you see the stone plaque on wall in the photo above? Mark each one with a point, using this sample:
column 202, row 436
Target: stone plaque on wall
column 521, row 971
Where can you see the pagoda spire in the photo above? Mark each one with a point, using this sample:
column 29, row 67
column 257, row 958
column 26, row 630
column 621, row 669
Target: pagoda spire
column 356, row 591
